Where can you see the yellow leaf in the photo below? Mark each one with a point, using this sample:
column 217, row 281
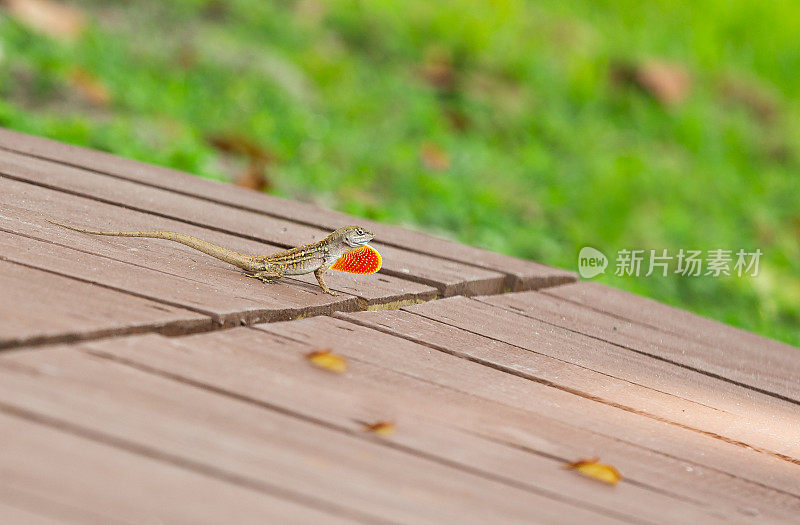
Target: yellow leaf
column 383, row 428
column 328, row 360
column 599, row 471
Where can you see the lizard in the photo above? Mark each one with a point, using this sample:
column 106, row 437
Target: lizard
column 314, row 257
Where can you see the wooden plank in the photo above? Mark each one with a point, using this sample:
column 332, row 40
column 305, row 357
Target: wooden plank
column 520, row 274
column 259, row 444
column 730, row 352
column 50, row 476
column 639, row 309
column 38, row 307
column 559, row 409
column 450, row 278
column 197, row 281
column 259, row 366
column 595, row 370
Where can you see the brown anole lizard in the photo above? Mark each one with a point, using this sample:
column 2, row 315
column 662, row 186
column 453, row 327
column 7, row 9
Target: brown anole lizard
column 315, row 257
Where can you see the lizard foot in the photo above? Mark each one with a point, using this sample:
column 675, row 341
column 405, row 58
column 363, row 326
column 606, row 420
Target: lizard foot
column 262, row 278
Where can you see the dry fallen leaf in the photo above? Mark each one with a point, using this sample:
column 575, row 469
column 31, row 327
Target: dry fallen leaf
column 90, row 87
column 599, row 471
column 382, row 428
column 438, row 70
column 328, row 360
column 52, row 18
column 434, row 158
column 255, row 176
column 668, row 83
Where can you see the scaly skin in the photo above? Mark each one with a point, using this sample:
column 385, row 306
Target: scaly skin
column 315, row 257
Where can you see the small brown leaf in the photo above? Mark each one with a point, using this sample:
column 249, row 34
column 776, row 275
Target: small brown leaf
column 666, row 82
column 599, row 471
column 434, row 158
column 255, row 176
column 756, row 98
column 438, row 71
column 328, row 360
column 382, row 428
column 240, row 145
column 52, row 18
column 91, row 88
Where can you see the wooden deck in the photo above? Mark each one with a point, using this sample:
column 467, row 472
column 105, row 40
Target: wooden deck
column 144, row 382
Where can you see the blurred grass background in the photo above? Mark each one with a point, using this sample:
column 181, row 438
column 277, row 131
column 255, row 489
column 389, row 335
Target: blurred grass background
column 529, row 128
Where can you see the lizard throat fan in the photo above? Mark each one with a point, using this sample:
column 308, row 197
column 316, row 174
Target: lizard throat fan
column 364, row 260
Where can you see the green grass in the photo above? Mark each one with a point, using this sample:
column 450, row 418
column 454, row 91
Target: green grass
column 546, row 154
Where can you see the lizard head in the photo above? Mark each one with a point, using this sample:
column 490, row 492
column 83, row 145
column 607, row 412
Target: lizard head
column 354, row 236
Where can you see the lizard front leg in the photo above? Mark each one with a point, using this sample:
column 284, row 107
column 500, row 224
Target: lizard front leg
column 318, row 274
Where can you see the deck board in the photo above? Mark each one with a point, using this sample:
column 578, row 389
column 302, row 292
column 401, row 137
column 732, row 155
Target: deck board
column 438, row 421
column 265, row 447
column 596, row 371
column 478, row 380
column 44, row 478
column 38, row 306
column 449, row 277
column 132, row 393
column 653, row 387
column 198, row 282
column 722, row 350
column 520, row 274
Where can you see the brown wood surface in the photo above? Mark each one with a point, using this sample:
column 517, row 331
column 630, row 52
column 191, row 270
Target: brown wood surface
column 613, row 374
column 259, row 445
column 43, row 478
column 449, row 277
column 455, row 426
column 130, row 394
column 520, row 274
column 696, row 341
column 481, row 381
column 141, row 266
column 38, row 306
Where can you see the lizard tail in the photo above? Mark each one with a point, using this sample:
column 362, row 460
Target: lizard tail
column 241, row 260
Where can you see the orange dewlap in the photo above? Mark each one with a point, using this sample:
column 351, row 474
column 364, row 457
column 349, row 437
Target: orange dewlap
column 364, row 260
